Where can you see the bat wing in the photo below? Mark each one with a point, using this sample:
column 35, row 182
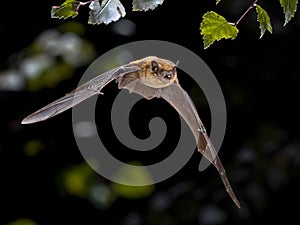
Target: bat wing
column 78, row 95
column 180, row 100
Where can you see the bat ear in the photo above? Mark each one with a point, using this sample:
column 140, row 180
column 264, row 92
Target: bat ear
column 174, row 68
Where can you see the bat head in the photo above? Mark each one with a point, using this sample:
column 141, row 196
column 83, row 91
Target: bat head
column 157, row 72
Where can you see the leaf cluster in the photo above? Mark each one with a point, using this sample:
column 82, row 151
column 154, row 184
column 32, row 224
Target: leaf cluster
column 101, row 11
column 213, row 27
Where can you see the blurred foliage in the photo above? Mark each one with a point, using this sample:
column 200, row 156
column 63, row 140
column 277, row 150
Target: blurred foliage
column 77, row 180
column 82, row 181
column 22, row 222
column 134, row 176
column 33, row 147
column 51, row 58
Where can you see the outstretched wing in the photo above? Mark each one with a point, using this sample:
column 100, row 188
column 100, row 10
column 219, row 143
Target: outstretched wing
column 180, row 100
column 78, row 95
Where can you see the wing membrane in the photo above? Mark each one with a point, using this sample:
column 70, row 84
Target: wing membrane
column 80, row 94
column 180, row 100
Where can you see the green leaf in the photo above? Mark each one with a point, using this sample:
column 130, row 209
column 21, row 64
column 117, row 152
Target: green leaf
column 289, row 9
column 68, row 9
column 106, row 12
column 145, row 5
column 264, row 20
column 217, row 1
column 215, row 27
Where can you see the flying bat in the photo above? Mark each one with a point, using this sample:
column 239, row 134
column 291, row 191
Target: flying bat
column 150, row 77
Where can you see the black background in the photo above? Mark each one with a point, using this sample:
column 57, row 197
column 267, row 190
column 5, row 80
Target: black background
column 260, row 81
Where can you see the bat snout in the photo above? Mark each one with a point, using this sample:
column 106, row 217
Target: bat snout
column 168, row 75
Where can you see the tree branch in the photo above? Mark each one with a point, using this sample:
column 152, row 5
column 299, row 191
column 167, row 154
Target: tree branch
column 245, row 13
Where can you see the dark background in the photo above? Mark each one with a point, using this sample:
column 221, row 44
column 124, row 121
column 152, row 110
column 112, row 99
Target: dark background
column 44, row 179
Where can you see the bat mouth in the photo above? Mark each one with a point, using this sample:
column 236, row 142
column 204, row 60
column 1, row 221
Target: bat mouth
column 168, row 75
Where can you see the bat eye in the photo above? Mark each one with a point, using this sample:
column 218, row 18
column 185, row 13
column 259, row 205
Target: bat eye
column 154, row 66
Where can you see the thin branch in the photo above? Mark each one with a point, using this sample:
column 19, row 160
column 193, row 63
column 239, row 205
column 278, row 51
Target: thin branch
column 245, row 13
column 84, row 3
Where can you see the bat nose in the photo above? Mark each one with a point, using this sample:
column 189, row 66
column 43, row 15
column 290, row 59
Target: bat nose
column 168, row 74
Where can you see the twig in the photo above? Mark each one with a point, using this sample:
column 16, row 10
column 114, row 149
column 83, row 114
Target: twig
column 244, row 14
column 84, row 3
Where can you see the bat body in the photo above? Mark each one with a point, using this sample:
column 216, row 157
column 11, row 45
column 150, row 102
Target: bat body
column 150, row 77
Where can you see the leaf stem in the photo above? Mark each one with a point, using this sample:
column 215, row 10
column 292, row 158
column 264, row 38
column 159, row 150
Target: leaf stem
column 245, row 13
column 84, row 3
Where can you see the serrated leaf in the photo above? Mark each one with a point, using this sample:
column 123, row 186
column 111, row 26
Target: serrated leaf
column 264, row 20
column 145, row 5
column 289, row 9
column 68, row 9
column 215, row 27
column 106, row 12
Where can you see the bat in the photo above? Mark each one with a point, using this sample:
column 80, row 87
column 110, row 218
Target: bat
column 150, row 77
